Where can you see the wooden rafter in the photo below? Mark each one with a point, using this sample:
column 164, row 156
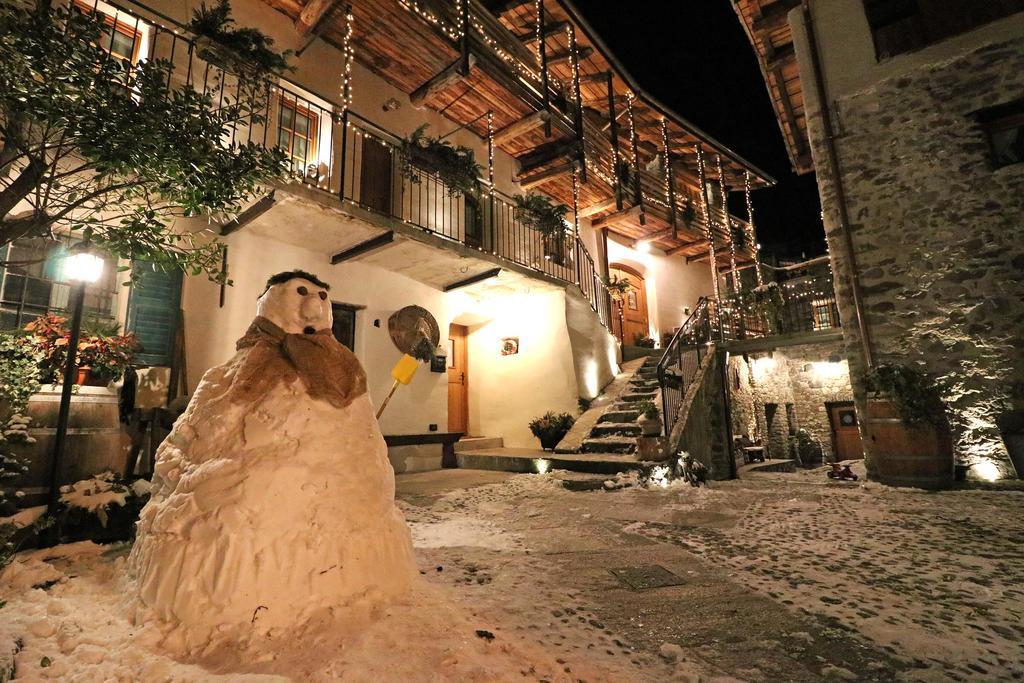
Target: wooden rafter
column 449, row 76
column 550, row 30
column 312, row 14
column 530, row 182
column 521, row 127
column 545, row 154
column 565, row 55
column 613, row 218
column 603, row 205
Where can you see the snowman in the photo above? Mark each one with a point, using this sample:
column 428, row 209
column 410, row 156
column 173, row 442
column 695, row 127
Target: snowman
column 273, row 498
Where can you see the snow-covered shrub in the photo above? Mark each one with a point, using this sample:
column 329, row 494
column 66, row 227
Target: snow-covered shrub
column 102, row 508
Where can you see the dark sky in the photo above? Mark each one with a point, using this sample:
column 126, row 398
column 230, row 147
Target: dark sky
column 694, row 56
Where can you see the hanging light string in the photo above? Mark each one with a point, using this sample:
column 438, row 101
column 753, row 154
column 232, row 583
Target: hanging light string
column 576, row 201
column 727, row 224
column 702, row 178
column 632, row 131
column 751, row 233
column 490, row 150
column 665, row 161
column 348, row 55
column 537, row 12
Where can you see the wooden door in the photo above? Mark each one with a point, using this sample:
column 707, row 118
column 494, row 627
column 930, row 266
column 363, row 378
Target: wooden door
column 629, row 317
column 846, row 444
column 375, row 176
column 458, row 379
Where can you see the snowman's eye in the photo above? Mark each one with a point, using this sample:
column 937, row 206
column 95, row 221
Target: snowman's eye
column 302, row 291
column 323, row 295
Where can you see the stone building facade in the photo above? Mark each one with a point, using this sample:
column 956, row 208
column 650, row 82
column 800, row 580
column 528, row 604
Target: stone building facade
column 773, row 394
column 937, row 227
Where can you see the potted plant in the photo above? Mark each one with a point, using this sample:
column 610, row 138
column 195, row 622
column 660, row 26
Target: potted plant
column 537, row 212
column 455, row 165
column 650, row 418
column 618, row 287
column 551, row 427
column 767, row 301
column 643, row 341
column 910, row 440
column 103, row 353
column 245, row 51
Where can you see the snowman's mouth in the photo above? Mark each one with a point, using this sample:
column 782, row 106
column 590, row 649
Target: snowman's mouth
column 309, row 330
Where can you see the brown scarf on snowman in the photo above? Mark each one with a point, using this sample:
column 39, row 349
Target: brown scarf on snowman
column 328, row 370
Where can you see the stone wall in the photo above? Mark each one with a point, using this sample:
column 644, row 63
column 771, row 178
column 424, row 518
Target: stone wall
column 701, row 427
column 805, row 376
column 938, row 235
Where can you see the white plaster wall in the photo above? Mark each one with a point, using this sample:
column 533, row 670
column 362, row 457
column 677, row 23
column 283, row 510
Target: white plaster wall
column 672, row 284
column 211, row 331
column 506, row 392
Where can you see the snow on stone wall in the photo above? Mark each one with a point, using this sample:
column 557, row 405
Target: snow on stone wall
column 938, row 235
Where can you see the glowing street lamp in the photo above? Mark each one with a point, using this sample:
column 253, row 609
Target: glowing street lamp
column 81, row 268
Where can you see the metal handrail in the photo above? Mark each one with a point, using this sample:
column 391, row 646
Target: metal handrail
column 685, row 351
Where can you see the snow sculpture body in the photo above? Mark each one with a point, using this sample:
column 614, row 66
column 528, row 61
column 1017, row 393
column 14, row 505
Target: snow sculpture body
column 273, row 499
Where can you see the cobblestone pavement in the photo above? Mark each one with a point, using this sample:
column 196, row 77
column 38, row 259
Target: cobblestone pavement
column 780, row 577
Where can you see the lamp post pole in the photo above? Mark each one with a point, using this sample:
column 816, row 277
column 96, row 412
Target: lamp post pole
column 70, row 372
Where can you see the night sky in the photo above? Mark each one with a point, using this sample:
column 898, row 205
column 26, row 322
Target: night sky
column 695, row 57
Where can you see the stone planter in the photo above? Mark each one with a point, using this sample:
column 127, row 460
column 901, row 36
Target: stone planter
column 650, row 426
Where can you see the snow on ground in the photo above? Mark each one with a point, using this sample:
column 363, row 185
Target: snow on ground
column 937, row 579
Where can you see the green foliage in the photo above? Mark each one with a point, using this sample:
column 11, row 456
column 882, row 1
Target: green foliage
column 766, row 299
column 455, row 165
column 617, row 287
column 643, row 341
column 249, row 48
column 537, row 212
column 19, row 379
column 93, row 142
column 552, row 424
column 648, row 409
column 916, row 396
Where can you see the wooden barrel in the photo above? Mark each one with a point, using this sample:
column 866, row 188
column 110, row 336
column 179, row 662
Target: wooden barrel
column 95, row 442
column 918, row 455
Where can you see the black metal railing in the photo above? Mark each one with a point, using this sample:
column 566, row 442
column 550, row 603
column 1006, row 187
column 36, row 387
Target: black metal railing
column 335, row 150
column 809, row 305
column 682, row 358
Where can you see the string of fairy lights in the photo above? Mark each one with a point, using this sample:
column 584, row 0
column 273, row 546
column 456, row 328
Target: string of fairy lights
column 702, row 179
column 727, row 223
column 348, row 56
column 751, row 234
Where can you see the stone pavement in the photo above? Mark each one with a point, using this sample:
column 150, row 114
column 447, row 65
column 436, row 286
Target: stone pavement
column 779, row 577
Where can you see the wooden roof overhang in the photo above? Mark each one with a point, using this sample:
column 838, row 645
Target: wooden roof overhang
column 413, row 44
column 772, row 38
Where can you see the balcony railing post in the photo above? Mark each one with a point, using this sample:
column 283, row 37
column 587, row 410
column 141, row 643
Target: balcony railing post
column 344, row 153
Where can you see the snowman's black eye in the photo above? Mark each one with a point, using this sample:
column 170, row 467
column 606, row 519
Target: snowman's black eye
column 302, row 291
column 323, row 295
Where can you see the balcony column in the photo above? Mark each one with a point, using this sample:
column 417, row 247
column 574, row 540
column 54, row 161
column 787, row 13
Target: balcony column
column 542, row 57
column 614, row 133
column 709, row 233
column 670, row 181
column 727, row 223
column 490, row 182
column 576, row 225
column 638, row 197
column 574, row 65
column 751, row 232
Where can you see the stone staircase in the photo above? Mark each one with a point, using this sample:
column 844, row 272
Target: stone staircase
column 616, row 429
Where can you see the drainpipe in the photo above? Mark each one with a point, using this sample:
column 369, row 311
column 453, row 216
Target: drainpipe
column 840, row 187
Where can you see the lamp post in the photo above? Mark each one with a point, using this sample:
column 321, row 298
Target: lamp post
column 81, row 267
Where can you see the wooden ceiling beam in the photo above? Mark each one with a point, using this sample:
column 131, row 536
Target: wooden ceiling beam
column 521, row 127
column 536, row 179
column 449, row 76
column 705, row 257
column 771, row 17
column 510, row 5
column 597, row 207
column 544, row 154
column 612, row 218
column 258, row 208
column 684, row 247
column 312, row 14
column 566, row 55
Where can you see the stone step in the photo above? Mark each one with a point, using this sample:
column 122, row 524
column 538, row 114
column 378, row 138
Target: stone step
column 635, row 397
column 616, row 428
column 609, row 444
column 644, row 385
column 477, row 442
column 619, row 415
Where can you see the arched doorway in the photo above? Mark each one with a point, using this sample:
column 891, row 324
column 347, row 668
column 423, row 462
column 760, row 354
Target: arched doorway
column 629, row 316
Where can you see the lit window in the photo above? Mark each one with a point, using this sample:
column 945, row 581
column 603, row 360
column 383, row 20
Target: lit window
column 824, row 314
column 122, row 39
column 297, row 129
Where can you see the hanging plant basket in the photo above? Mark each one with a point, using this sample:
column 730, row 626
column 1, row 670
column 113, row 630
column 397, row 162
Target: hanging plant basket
column 455, row 166
column 241, row 51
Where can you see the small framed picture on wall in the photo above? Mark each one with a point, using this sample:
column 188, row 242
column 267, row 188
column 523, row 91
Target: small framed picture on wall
column 510, row 346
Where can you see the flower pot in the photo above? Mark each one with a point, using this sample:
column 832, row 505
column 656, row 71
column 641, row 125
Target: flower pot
column 901, row 454
column 87, row 379
column 549, row 440
column 650, row 426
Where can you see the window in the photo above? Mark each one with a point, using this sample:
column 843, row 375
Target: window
column 899, row 26
column 823, row 311
column 1004, row 128
column 31, row 284
column 121, row 38
column 344, row 327
column 297, row 128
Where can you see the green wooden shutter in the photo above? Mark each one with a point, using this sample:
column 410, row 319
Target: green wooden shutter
column 153, row 312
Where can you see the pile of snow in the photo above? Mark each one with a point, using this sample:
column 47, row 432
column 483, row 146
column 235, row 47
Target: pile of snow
column 96, row 494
